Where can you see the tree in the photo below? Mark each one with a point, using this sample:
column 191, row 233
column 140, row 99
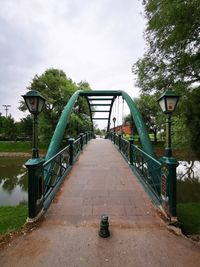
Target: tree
column 172, row 57
column 150, row 112
column 7, row 128
column 57, row 89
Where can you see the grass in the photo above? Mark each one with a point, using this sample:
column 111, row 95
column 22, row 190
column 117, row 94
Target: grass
column 12, row 218
column 189, row 216
column 15, row 146
column 18, row 146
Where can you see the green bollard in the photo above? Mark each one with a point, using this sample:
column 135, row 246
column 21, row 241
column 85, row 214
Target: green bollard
column 104, row 225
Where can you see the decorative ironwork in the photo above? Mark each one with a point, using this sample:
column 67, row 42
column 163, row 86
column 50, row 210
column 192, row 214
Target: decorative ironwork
column 148, row 168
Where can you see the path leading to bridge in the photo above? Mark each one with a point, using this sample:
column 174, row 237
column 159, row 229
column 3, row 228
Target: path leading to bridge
column 101, row 182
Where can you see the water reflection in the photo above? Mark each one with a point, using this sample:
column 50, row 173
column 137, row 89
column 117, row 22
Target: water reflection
column 189, row 170
column 13, row 181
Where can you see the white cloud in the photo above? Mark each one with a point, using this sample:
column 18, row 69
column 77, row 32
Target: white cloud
column 97, row 41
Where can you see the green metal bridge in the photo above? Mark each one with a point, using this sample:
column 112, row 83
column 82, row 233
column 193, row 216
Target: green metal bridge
column 46, row 175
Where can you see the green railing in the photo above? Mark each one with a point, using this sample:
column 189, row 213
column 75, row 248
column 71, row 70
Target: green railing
column 45, row 177
column 148, row 168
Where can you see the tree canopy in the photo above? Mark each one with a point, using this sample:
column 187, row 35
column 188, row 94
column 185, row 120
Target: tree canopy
column 172, row 58
column 57, row 89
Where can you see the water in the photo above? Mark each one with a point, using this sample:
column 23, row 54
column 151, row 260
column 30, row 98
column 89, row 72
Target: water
column 13, row 181
column 188, row 170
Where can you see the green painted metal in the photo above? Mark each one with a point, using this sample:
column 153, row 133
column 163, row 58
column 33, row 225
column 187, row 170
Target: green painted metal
column 171, row 164
column 100, row 118
column 100, row 93
column 104, row 227
column 100, row 99
column 100, row 105
column 90, row 111
column 141, row 128
column 35, row 186
column 111, row 105
column 100, row 111
column 61, row 126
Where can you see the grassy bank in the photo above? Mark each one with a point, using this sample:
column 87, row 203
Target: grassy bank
column 19, row 146
column 12, row 218
column 189, row 216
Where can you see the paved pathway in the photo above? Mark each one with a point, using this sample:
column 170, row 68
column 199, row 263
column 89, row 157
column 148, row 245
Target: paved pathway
column 101, row 182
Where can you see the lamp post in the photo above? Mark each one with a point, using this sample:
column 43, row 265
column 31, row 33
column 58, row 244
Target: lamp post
column 114, row 120
column 168, row 102
column 35, row 103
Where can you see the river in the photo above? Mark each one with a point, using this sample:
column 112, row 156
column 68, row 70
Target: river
column 14, row 185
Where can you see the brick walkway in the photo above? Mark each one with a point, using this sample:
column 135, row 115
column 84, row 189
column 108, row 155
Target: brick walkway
column 101, row 182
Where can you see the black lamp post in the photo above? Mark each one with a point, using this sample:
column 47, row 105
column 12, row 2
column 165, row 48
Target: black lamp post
column 114, row 120
column 35, row 103
column 168, row 102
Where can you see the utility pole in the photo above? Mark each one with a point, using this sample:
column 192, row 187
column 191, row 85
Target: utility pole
column 6, row 109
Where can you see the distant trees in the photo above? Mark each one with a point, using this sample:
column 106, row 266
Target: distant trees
column 7, row 128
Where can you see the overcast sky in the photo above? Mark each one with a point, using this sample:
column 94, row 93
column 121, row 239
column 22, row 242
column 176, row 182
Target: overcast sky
column 93, row 40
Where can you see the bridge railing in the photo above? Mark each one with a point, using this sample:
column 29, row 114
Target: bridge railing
column 148, row 168
column 45, row 178
column 159, row 176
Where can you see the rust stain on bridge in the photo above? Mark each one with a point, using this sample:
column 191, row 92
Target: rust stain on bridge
column 101, row 182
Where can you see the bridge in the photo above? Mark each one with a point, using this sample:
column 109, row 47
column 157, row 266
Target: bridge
column 72, row 187
column 46, row 175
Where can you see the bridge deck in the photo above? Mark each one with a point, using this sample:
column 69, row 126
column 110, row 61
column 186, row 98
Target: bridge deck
column 101, row 182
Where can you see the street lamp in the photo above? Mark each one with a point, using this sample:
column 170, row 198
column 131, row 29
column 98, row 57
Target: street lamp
column 168, row 102
column 35, row 103
column 114, row 120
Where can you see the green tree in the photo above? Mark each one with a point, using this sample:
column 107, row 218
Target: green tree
column 150, row 112
column 172, row 57
column 24, row 127
column 57, row 89
column 7, row 128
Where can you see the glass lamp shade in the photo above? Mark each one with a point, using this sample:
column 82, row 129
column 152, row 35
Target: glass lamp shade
column 34, row 102
column 168, row 101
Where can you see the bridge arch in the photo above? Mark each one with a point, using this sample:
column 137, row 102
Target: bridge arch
column 110, row 96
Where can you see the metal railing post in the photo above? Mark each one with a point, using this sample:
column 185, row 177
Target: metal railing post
column 35, row 187
column 71, row 151
column 169, row 172
column 81, row 141
column 120, row 141
column 86, row 138
column 131, row 141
